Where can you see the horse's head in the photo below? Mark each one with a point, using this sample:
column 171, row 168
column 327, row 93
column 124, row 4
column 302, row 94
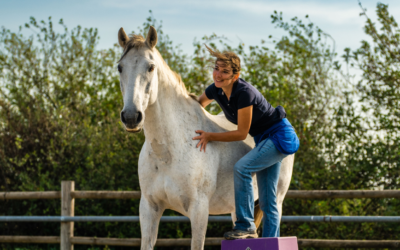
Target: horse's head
column 138, row 77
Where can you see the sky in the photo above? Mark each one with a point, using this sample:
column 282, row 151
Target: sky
column 245, row 22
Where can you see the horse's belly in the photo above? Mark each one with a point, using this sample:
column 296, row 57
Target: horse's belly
column 223, row 199
column 222, row 202
column 179, row 183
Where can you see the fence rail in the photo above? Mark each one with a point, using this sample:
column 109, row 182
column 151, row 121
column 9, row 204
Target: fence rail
column 30, row 195
column 291, row 194
column 67, row 218
column 344, row 194
column 300, row 218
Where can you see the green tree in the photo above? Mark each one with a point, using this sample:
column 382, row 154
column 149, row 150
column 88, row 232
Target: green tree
column 59, row 119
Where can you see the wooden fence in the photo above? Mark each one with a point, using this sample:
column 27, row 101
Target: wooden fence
column 68, row 196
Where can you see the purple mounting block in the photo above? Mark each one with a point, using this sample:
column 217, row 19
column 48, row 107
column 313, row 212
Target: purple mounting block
column 273, row 243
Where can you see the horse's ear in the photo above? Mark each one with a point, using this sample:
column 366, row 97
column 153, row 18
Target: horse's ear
column 151, row 38
column 122, row 37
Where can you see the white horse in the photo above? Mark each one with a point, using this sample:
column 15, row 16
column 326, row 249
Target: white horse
column 173, row 173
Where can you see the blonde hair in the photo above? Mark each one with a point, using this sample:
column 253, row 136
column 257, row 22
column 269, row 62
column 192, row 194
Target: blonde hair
column 227, row 57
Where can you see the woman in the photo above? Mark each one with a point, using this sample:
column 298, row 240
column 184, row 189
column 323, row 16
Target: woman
column 275, row 138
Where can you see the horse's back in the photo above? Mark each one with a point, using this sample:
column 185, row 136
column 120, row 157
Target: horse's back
column 221, row 121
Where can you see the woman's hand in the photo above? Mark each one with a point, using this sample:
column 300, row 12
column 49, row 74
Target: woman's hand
column 204, row 138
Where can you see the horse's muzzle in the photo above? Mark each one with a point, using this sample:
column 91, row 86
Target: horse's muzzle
column 132, row 121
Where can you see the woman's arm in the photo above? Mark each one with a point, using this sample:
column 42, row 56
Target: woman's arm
column 244, row 122
column 203, row 100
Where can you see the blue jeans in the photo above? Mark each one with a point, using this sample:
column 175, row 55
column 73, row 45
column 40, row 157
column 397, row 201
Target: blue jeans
column 264, row 160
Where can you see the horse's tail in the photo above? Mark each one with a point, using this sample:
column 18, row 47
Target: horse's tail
column 258, row 214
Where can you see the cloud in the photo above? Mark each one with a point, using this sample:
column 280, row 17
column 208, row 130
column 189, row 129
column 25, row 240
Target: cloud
column 335, row 12
column 249, row 20
column 332, row 12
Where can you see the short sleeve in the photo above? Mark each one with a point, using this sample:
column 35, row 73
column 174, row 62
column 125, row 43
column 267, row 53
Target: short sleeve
column 210, row 91
column 246, row 98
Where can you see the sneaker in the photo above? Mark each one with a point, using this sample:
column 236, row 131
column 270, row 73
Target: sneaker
column 240, row 234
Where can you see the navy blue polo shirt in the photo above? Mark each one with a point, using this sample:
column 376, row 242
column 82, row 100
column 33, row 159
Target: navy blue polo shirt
column 244, row 95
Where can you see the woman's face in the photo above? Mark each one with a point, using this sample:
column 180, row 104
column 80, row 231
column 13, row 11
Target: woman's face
column 223, row 75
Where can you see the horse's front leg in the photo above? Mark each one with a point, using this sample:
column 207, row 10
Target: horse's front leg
column 198, row 214
column 150, row 214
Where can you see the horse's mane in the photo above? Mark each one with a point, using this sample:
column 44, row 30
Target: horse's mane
column 180, row 82
column 138, row 41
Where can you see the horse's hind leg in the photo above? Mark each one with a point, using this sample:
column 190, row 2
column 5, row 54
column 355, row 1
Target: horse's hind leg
column 285, row 177
column 198, row 214
column 234, row 218
column 150, row 214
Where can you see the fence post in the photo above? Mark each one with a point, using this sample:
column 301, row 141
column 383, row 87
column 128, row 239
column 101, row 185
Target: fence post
column 67, row 209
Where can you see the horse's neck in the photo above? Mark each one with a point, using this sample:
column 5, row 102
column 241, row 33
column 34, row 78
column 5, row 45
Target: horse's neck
column 173, row 114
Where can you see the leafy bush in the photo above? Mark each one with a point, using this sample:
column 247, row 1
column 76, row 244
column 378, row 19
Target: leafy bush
column 59, row 120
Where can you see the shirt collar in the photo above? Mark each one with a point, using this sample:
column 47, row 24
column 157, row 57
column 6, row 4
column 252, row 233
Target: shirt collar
column 234, row 87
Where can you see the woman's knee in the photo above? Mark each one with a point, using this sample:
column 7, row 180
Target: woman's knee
column 240, row 166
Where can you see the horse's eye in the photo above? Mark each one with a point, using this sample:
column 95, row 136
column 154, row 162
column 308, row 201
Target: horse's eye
column 119, row 68
column 151, row 68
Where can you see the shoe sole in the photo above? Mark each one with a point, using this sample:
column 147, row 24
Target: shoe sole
column 242, row 237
